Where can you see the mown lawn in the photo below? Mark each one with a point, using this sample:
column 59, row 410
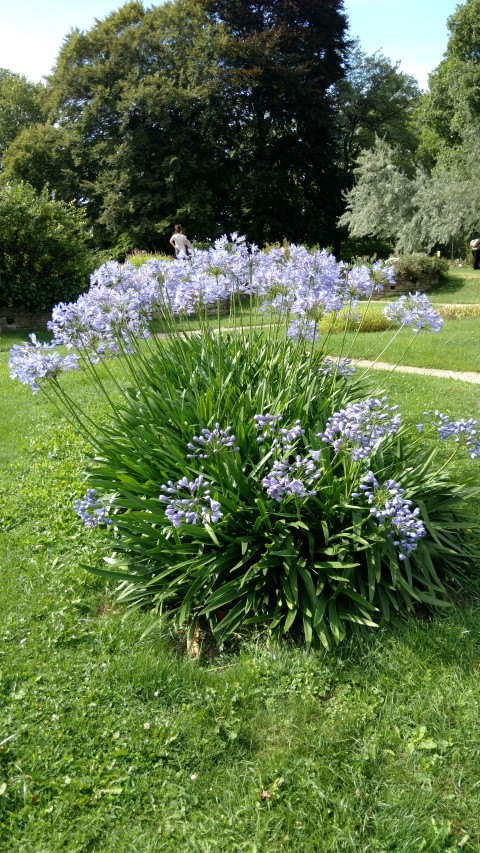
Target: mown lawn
column 455, row 347
column 111, row 743
column 461, row 285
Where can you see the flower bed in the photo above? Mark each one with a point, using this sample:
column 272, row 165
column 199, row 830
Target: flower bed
column 246, row 477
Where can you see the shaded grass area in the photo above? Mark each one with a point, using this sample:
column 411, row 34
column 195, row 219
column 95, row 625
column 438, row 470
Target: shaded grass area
column 460, row 285
column 112, row 743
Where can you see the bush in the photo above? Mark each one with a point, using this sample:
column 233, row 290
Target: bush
column 247, row 478
column 419, row 268
column 44, row 257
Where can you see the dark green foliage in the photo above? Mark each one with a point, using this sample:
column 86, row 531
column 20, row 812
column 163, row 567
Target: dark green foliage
column 276, row 102
column 44, row 257
column 134, row 93
column 353, row 248
column 43, row 155
column 375, row 99
column 221, row 117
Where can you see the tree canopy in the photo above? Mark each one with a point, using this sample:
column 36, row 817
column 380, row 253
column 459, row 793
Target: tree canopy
column 220, row 115
column 249, row 117
column 20, row 106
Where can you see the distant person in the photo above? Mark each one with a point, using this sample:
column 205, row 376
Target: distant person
column 181, row 243
column 475, row 247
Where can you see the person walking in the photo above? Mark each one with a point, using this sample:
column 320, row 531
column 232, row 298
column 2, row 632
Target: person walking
column 181, row 243
column 475, row 247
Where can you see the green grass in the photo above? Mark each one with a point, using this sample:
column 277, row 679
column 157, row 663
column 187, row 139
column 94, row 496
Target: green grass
column 121, row 745
column 455, row 347
column 461, row 285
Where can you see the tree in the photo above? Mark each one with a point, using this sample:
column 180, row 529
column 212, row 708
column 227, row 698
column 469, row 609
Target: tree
column 381, row 199
column 375, row 99
column 276, row 99
column 413, row 213
column 20, row 106
column 451, row 106
column 43, row 155
column 131, row 135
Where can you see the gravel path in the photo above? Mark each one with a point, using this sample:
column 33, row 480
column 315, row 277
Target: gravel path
column 471, row 376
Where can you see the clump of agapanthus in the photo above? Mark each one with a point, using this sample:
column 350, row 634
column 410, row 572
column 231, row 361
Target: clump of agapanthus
column 464, row 432
column 268, row 424
column 403, row 526
column 337, row 367
column 211, row 442
column 35, row 363
column 291, row 478
column 190, row 502
column 359, row 426
column 92, row 510
column 313, row 284
column 359, row 283
column 414, row 311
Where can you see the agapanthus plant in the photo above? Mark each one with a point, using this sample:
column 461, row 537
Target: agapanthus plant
column 257, row 481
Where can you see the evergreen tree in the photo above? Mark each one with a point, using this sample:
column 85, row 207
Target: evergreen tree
column 276, row 99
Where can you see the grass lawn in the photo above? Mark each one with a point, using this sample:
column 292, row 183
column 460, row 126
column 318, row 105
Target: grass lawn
column 462, row 285
column 455, row 347
column 115, row 744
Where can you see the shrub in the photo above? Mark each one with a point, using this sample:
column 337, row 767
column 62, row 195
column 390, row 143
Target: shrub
column 247, row 478
column 416, row 268
column 459, row 312
column 44, row 257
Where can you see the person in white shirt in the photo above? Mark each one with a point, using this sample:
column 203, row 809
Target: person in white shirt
column 475, row 247
column 181, row 243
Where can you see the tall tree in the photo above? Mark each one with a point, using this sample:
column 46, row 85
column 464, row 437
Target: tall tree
column 414, row 213
column 281, row 62
column 452, row 105
column 375, row 99
column 129, row 106
column 42, row 155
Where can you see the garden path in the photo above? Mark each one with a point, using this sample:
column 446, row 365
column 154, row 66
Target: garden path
column 469, row 376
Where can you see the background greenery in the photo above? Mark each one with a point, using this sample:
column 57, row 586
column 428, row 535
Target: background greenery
column 226, row 117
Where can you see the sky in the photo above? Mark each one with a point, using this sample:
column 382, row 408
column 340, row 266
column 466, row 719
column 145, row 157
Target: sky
column 413, row 32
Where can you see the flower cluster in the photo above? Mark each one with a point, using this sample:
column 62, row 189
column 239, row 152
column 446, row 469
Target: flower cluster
column 92, row 510
column 280, row 436
column 198, row 507
column 117, row 307
column 357, row 428
column 211, row 442
column 294, row 478
column 35, row 363
column 464, row 431
column 337, row 367
column 303, row 330
column 392, row 510
column 415, row 311
column 305, row 286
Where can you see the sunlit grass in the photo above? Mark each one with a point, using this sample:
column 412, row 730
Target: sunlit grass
column 117, row 744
